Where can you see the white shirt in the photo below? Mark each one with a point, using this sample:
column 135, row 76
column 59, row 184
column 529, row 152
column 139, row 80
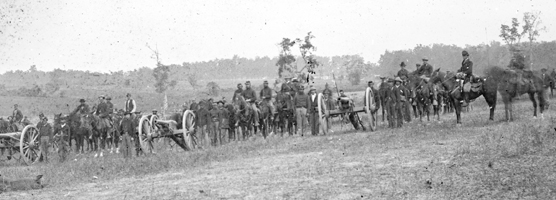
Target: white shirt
column 313, row 96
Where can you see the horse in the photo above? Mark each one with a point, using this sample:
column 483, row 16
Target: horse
column 232, row 115
column 265, row 117
column 511, row 86
column 422, row 94
column 486, row 87
column 383, row 92
column 77, row 134
column 245, row 117
column 284, row 118
column 86, row 130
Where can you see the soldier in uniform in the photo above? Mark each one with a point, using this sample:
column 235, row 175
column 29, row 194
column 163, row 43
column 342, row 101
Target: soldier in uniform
column 251, row 97
column 396, row 96
column 547, row 81
column 313, row 112
column 425, row 69
column 300, row 102
column 126, row 127
column 130, row 105
column 45, row 131
column 467, row 69
column 214, row 124
column 103, row 113
column 402, row 73
column 266, row 96
column 82, row 108
column 238, row 92
column 17, row 116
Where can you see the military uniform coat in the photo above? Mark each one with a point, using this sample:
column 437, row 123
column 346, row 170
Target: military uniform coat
column 466, row 67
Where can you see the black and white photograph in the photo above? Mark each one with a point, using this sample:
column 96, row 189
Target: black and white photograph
column 245, row 99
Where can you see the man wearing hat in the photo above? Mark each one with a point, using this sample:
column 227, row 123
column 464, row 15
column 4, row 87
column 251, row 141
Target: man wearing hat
column 397, row 100
column 425, row 69
column 312, row 109
column 130, row 105
column 266, row 96
column 467, row 69
column 295, row 85
column 103, row 113
column 238, row 92
column 17, row 116
column 45, row 132
column 300, row 102
column 402, row 73
column 126, row 127
column 251, row 97
column 82, row 108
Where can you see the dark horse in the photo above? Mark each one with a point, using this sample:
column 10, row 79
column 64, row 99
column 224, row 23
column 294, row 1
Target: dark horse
column 511, row 86
column 284, row 119
column 265, row 117
column 383, row 92
column 423, row 95
column 486, row 87
column 245, row 117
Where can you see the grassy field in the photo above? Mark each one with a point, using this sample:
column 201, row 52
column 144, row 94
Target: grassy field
column 432, row 160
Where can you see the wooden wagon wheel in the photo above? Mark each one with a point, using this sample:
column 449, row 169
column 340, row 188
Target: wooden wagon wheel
column 323, row 113
column 370, row 106
column 154, row 131
column 29, row 144
column 145, row 134
column 188, row 125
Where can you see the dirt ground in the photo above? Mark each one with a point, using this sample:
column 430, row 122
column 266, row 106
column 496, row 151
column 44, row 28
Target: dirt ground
column 351, row 166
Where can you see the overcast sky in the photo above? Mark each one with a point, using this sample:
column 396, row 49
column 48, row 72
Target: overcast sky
column 111, row 35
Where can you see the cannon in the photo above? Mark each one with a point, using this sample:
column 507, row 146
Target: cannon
column 150, row 128
column 347, row 108
column 22, row 146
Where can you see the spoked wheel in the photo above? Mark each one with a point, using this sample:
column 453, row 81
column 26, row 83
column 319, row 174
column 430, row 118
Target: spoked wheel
column 155, row 131
column 323, row 114
column 29, row 144
column 188, row 125
column 145, row 134
column 370, row 106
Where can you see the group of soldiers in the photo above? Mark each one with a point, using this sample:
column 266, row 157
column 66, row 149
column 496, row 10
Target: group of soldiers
column 398, row 97
column 120, row 120
column 290, row 98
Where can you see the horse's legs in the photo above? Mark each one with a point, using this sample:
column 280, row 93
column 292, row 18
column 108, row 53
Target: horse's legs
column 532, row 97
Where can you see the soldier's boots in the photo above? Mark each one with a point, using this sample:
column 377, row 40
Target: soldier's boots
column 465, row 99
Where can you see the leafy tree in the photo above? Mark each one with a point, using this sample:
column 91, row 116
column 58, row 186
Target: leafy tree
column 287, row 66
column 531, row 28
column 512, row 36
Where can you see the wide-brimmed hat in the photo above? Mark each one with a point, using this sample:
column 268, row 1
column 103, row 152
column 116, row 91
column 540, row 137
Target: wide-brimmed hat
column 247, row 82
column 128, row 95
column 81, row 100
column 108, row 98
column 101, row 97
column 127, row 113
column 398, row 79
column 294, row 79
column 543, row 69
column 425, row 59
column 402, row 64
